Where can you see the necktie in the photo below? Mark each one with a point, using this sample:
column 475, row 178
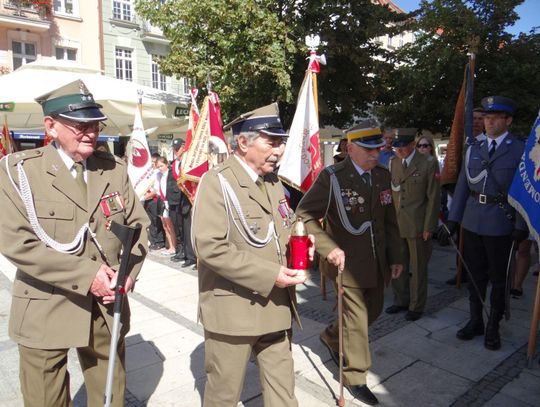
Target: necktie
column 262, row 186
column 492, row 148
column 405, row 164
column 79, row 178
column 367, row 178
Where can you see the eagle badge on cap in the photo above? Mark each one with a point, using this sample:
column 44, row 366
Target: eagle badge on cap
column 83, row 89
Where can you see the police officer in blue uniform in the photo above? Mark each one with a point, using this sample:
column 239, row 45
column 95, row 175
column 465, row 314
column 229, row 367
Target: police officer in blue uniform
column 489, row 222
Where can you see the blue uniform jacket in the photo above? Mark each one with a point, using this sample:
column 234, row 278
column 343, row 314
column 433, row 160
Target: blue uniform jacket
column 488, row 219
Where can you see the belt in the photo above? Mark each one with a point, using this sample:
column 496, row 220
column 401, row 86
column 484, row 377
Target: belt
column 488, row 199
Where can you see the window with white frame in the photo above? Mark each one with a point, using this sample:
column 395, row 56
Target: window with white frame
column 69, row 54
column 122, row 10
column 124, row 64
column 69, row 7
column 23, row 53
column 186, row 86
column 159, row 81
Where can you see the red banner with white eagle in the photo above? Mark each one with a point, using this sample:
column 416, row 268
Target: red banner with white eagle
column 301, row 161
column 140, row 170
column 205, row 145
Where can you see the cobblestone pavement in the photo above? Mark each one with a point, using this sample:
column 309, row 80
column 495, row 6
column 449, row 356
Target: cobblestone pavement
column 414, row 364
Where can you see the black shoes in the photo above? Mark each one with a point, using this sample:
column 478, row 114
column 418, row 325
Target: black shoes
column 492, row 340
column 177, row 258
column 516, row 293
column 333, row 354
column 394, row 309
column 469, row 331
column 156, row 246
column 412, row 315
column 361, row 392
column 189, row 263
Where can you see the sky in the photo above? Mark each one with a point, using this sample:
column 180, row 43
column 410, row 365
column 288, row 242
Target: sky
column 529, row 12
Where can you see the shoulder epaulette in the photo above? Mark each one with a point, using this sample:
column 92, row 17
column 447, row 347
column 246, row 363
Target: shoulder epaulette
column 14, row 158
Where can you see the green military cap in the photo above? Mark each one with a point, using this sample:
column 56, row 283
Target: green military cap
column 263, row 120
column 404, row 136
column 73, row 102
column 366, row 134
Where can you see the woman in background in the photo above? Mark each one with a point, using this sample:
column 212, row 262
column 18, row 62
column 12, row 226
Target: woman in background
column 425, row 145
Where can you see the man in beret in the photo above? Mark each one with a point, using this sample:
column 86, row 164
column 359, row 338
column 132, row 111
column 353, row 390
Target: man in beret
column 417, row 198
column 360, row 237
column 58, row 201
column 489, row 222
column 241, row 224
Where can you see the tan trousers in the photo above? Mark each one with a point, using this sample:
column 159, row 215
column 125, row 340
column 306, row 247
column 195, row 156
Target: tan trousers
column 45, row 379
column 410, row 289
column 226, row 360
column 361, row 307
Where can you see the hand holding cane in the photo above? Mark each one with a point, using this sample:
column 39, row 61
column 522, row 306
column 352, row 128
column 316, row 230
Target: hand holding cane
column 127, row 235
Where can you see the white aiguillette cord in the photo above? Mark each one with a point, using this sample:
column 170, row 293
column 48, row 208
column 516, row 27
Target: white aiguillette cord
column 230, row 199
column 26, row 196
column 336, row 189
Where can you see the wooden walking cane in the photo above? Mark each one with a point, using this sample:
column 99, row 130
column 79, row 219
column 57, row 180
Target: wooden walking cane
column 127, row 235
column 534, row 327
column 341, row 400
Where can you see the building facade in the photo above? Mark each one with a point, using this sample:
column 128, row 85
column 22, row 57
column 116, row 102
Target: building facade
column 132, row 46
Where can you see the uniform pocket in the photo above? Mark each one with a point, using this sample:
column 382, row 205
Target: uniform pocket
column 56, row 218
column 28, row 310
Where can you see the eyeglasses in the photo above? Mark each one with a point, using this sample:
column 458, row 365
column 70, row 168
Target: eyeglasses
column 80, row 127
column 423, row 145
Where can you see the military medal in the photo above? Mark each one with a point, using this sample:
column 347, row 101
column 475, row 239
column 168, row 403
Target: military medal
column 385, row 197
column 111, row 203
column 286, row 213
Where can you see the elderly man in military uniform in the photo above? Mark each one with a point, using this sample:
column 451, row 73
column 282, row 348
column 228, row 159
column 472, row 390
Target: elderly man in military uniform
column 58, row 200
column 361, row 237
column 489, row 223
column 417, row 198
column 241, row 223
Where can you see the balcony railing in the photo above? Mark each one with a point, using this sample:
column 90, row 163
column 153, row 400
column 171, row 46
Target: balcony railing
column 22, row 6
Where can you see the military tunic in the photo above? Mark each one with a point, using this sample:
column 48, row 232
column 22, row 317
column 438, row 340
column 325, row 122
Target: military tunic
column 417, row 199
column 368, row 256
column 240, row 306
column 52, row 307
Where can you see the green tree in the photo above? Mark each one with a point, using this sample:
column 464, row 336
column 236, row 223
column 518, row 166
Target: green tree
column 255, row 52
column 423, row 89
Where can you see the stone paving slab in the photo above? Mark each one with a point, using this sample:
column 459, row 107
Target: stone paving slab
column 502, row 400
column 460, row 360
column 421, row 385
column 414, row 364
column 525, row 388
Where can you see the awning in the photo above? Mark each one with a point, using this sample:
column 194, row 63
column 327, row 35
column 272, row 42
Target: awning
column 17, row 135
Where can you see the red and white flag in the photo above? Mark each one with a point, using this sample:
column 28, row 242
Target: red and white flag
column 7, row 145
column 206, row 148
column 301, row 161
column 140, row 170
